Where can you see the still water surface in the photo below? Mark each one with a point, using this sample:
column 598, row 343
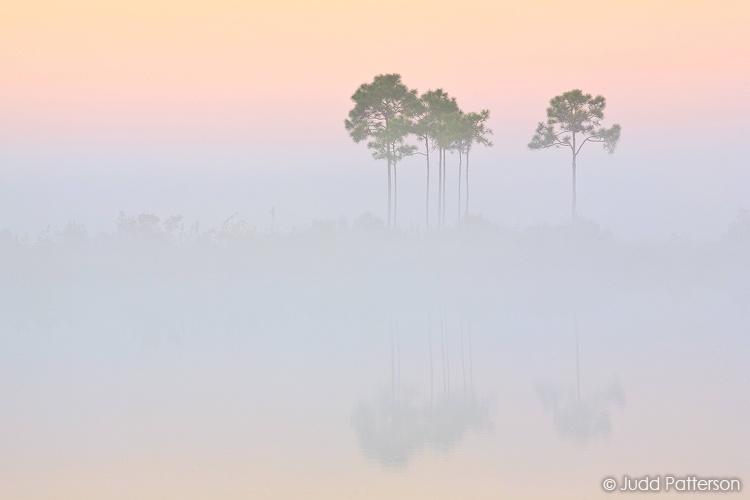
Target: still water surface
column 488, row 364
column 431, row 402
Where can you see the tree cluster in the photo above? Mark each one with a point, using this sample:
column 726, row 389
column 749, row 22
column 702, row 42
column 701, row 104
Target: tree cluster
column 388, row 115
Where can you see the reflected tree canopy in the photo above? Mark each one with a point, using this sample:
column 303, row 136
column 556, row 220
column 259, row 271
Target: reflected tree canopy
column 392, row 428
column 581, row 419
column 392, row 432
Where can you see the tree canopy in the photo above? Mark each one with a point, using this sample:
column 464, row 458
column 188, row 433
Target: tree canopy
column 575, row 113
column 382, row 115
column 570, row 115
column 387, row 113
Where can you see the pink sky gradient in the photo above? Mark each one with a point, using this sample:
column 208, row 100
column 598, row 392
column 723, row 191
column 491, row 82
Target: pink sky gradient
column 101, row 99
column 241, row 72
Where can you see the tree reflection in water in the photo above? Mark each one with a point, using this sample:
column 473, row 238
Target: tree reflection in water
column 582, row 419
column 393, row 428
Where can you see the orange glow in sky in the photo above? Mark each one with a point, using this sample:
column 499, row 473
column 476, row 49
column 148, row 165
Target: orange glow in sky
column 241, row 69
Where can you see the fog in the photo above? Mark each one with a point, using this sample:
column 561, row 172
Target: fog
column 229, row 270
column 687, row 188
column 342, row 360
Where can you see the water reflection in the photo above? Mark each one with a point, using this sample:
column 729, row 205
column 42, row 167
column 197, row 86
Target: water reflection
column 392, row 432
column 392, row 428
column 581, row 418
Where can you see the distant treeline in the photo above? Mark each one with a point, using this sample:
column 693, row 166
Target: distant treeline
column 150, row 228
column 163, row 275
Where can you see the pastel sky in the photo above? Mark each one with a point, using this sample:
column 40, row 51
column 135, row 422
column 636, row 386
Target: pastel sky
column 89, row 75
column 231, row 68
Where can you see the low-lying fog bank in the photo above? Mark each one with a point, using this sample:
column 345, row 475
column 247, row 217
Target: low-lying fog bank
column 176, row 355
column 164, row 275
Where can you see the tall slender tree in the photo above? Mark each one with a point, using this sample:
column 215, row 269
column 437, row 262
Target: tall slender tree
column 475, row 131
column 438, row 108
column 424, row 125
column 454, row 133
column 441, row 109
column 573, row 119
column 382, row 115
column 461, row 137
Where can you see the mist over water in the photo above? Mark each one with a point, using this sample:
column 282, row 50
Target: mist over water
column 161, row 358
column 230, row 265
column 654, row 192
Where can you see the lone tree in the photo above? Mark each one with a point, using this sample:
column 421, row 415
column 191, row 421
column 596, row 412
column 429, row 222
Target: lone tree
column 573, row 119
column 382, row 115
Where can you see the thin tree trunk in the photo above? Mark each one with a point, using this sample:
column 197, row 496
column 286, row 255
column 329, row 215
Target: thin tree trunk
column 395, row 197
column 574, row 215
column 573, row 198
column 427, row 191
column 459, row 186
column 445, row 170
column 466, row 213
column 389, row 194
column 440, row 184
column 445, row 362
column 442, row 192
column 395, row 186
